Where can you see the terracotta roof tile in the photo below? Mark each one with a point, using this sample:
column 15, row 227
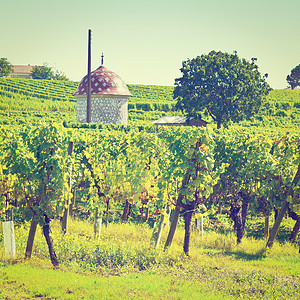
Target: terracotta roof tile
column 103, row 82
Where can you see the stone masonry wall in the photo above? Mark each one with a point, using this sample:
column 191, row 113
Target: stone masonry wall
column 104, row 110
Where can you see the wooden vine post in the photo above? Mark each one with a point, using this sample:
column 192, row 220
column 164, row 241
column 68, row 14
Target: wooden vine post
column 199, row 225
column 30, row 240
column 158, row 228
column 67, row 209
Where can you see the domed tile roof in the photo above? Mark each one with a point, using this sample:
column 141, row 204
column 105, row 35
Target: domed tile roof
column 103, row 82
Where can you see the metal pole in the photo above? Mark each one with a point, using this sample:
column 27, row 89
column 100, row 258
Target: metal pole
column 88, row 108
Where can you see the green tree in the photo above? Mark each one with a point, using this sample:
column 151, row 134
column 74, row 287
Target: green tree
column 222, row 85
column 5, row 67
column 42, row 72
column 46, row 72
column 58, row 75
column 294, row 78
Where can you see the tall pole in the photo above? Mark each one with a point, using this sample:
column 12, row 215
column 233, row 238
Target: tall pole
column 88, row 102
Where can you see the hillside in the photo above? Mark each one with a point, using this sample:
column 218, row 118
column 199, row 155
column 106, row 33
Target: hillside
column 29, row 100
column 23, row 100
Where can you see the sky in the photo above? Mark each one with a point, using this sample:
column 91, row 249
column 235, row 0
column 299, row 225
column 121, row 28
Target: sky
column 145, row 42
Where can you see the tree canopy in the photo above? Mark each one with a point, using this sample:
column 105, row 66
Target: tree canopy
column 45, row 72
column 5, row 67
column 58, row 75
column 42, row 72
column 221, row 84
column 294, row 78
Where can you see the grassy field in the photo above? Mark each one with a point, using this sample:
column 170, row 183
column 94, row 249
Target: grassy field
column 123, row 265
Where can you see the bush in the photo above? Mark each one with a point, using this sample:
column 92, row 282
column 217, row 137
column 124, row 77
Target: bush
column 281, row 113
column 285, row 105
column 297, row 105
column 145, row 106
column 131, row 106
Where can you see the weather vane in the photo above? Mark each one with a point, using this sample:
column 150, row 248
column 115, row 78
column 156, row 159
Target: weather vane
column 102, row 57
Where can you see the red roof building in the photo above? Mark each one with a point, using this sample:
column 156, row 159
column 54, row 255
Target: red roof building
column 22, row 71
column 109, row 98
column 103, row 82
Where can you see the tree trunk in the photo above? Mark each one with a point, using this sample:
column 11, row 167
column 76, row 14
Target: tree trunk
column 129, row 210
column 236, row 216
column 185, row 182
column 187, row 227
column 283, row 210
column 176, row 212
column 295, row 230
column 125, row 212
column 46, row 231
column 147, row 213
column 64, row 225
column 276, row 212
column 72, row 204
column 267, row 226
column 30, row 239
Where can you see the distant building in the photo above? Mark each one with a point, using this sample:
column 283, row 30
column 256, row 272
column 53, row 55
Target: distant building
column 22, row 71
column 179, row 121
column 109, row 98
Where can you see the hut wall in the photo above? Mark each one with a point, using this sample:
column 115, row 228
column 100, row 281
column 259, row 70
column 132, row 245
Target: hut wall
column 104, row 110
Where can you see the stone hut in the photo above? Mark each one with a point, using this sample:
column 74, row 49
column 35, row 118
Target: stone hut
column 109, row 98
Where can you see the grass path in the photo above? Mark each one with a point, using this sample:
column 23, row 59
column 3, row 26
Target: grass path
column 21, row 281
column 123, row 266
column 207, row 276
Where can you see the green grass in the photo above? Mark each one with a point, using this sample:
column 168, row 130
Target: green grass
column 122, row 265
column 24, row 281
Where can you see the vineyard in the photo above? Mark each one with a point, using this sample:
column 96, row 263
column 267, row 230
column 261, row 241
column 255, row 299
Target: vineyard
column 239, row 182
column 27, row 101
column 184, row 169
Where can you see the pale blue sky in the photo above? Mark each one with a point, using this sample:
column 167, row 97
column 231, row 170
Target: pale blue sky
column 145, row 42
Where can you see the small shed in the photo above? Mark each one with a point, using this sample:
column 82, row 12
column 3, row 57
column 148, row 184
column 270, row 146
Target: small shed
column 109, row 98
column 180, row 121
